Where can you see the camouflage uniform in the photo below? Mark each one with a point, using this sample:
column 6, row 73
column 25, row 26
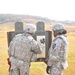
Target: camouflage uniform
column 23, row 49
column 58, row 55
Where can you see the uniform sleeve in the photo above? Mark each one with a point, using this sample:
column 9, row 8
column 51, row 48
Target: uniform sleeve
column 10, row 48
column 64, row 52
column 54, row 51
column 35, row 47
column 57, row 45
column 12, row 44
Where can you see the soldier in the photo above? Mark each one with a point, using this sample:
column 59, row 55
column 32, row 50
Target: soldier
column 57, row 60
column 23, row 49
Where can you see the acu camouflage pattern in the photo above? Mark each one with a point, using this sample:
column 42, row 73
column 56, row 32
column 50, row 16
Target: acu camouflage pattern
column 23, row 49
column 58, row 53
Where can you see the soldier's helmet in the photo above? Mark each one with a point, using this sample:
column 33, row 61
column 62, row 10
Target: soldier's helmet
column 30, row 28
column 58, row 26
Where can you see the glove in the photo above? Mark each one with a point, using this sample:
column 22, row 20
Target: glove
column 48, row 69
column 9, row 63
column 42, row 41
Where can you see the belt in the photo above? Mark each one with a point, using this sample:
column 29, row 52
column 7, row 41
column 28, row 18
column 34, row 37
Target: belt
column 19, row 59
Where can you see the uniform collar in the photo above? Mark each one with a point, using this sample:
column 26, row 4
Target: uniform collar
column 26, row 34
column 60, row 36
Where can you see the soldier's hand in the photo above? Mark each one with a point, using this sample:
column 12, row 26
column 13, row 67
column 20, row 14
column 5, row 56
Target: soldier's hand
column 48, row 69
column 42, row 40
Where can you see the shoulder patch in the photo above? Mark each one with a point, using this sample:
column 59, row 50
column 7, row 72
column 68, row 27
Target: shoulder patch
column 54, row 46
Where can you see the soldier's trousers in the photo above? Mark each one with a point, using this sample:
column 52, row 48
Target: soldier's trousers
column 19, row 67
column 56, row 69
column 19, row 70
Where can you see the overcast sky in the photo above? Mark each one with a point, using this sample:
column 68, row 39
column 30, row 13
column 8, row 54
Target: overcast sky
column 52, row 9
